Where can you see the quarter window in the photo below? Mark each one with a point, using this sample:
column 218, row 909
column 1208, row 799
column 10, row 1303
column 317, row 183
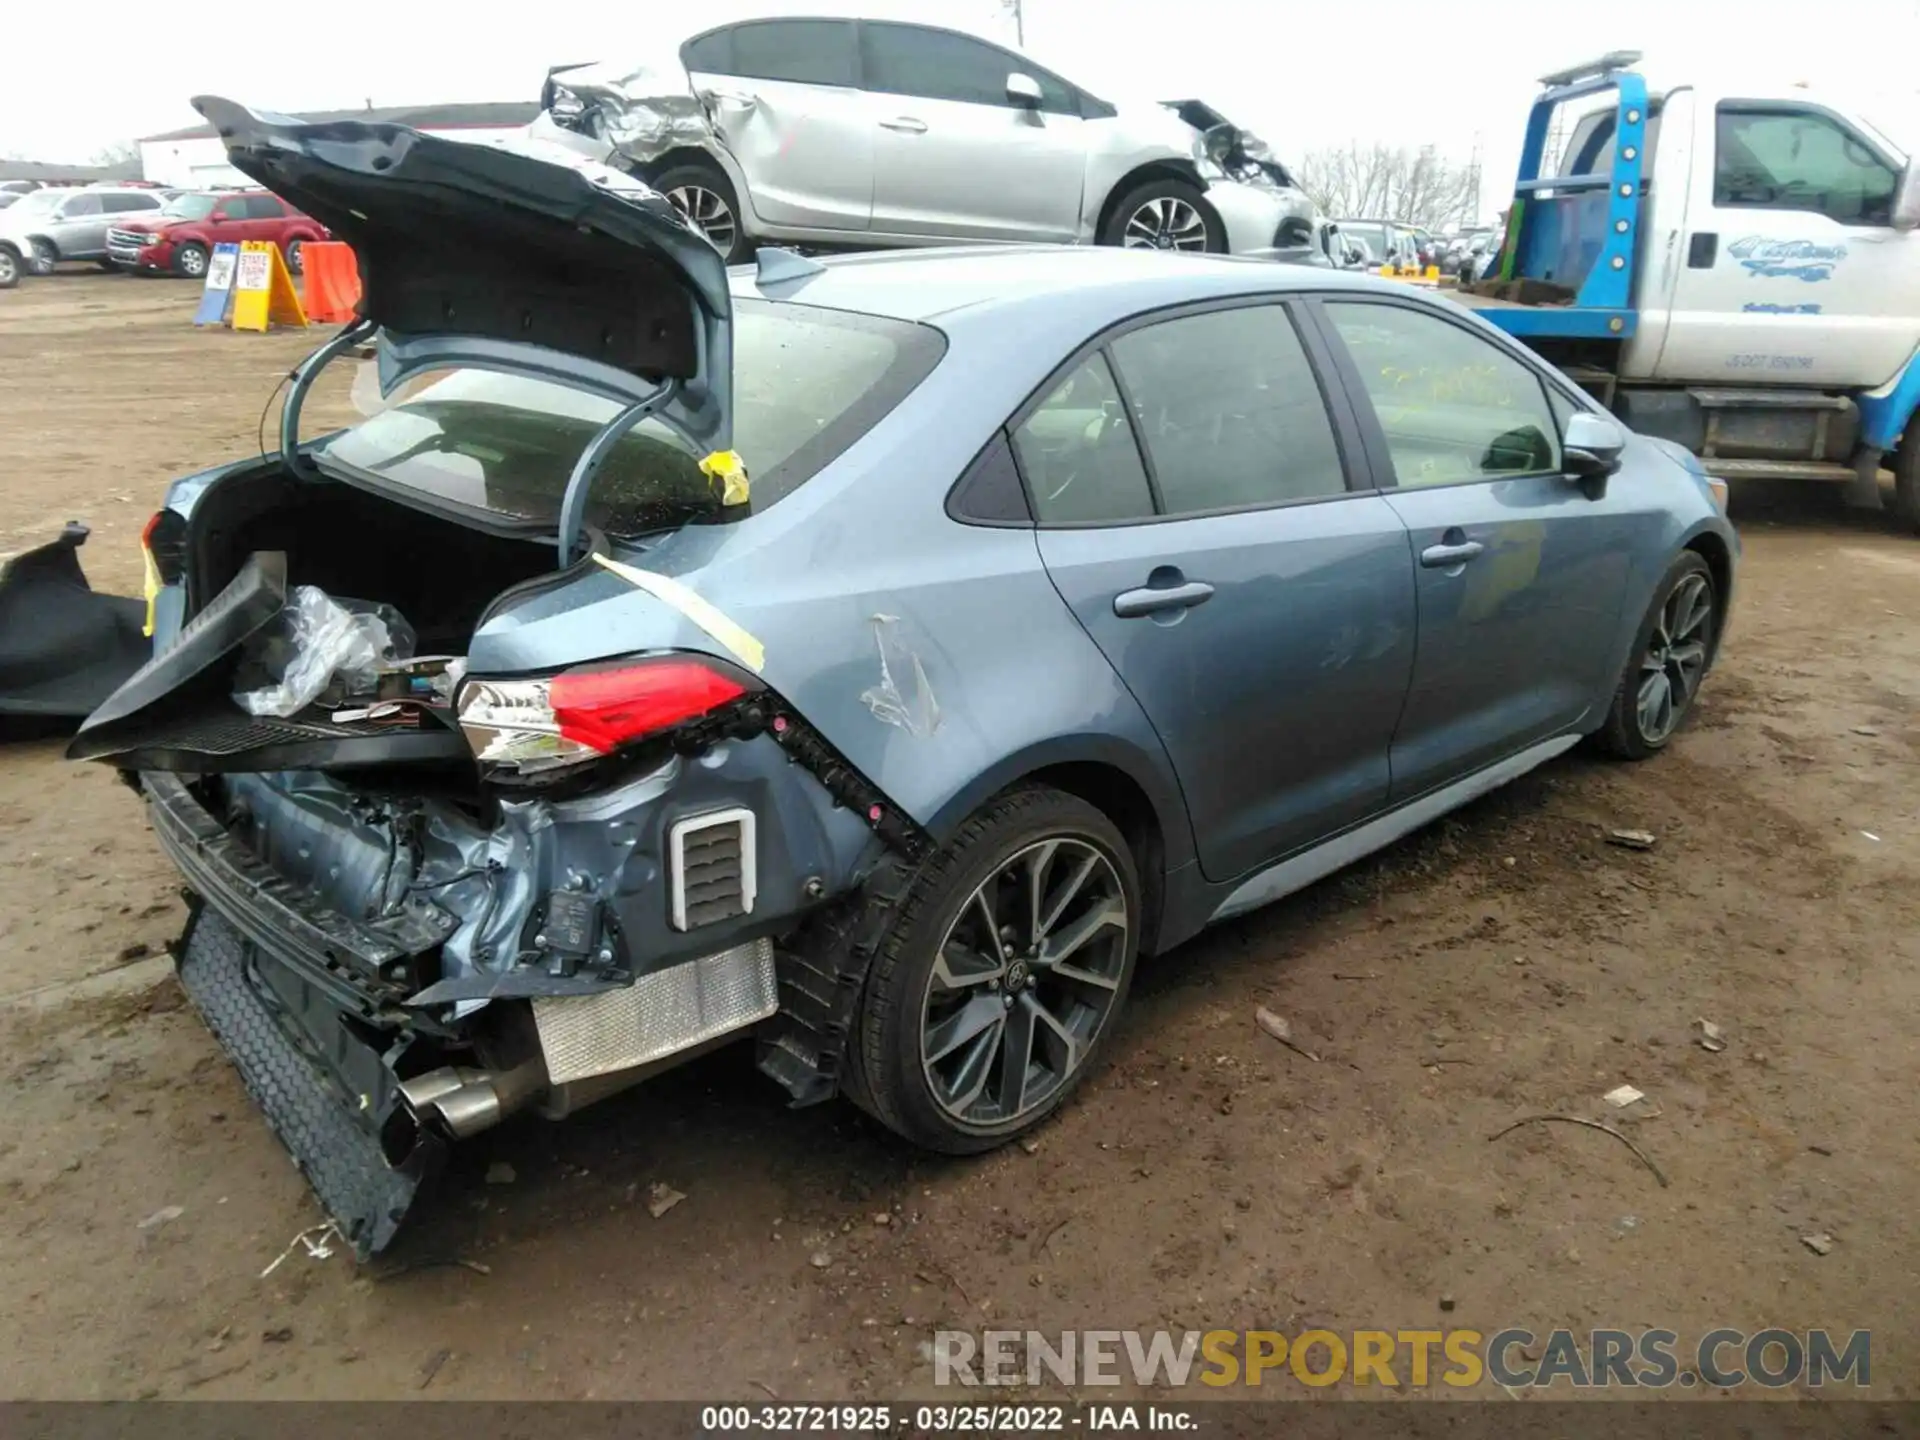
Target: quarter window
column 1077, row 453
column 1799, row 160
column 1229, row 411
column 804, row 52
column 939, row 65
column 1454, row 407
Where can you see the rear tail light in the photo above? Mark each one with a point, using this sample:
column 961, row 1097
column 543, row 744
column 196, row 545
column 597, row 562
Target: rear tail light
column 163, row 557
column 530, row 726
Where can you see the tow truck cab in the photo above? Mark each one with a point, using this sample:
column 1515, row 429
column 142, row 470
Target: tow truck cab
column 1732, row 269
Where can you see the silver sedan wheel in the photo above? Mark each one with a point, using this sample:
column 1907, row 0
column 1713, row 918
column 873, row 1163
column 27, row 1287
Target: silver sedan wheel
column 1675, row 659
column 708, row 212
column 1026, row 977
column 1168, row 223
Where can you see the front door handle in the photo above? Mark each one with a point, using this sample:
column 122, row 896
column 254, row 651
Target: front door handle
column 1441, row 557
column 905, row 123
column 1157, row 599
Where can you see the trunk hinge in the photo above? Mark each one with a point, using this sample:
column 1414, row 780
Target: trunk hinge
column 303, row 378
column 573, row 504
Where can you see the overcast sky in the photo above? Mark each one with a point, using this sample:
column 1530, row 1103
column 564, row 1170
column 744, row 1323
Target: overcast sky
column 1301, row 73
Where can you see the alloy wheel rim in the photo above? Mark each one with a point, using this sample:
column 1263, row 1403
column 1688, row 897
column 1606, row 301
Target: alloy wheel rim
column 293, row 258
column 707, row 212
column 1026, row 976
column 193, row 262
column 9, row 268
column 1167, row 223
column 1675, row 658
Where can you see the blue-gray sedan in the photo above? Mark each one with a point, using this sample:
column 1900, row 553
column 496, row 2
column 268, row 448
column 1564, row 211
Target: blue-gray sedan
column 875, row 656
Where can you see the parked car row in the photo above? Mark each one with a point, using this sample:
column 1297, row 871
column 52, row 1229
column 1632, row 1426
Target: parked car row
column 142, row 228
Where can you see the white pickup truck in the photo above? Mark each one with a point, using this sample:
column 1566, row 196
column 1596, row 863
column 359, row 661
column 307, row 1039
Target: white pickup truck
column 1732, row 269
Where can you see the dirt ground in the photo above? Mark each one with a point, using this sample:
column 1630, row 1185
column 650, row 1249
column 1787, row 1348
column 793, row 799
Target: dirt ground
column 1504, row 962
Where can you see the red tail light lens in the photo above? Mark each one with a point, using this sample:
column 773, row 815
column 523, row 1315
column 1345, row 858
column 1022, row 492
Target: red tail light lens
column 606, row 708
column 531, row 726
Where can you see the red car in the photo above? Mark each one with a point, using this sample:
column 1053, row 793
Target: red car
column 179, row 239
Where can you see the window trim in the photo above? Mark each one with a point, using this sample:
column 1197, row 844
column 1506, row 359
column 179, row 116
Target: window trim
column 1076, row 97
column 1349, row 438
column 1375, row 435
column 1733, row 105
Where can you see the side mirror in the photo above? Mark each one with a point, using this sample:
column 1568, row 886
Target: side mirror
column 1906, row 198
column 1023, row 90
column 1590, row 451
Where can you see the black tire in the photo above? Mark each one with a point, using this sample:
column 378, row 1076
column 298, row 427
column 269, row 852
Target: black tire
column 1906, row 477
column 684, row 185
column 106, row 265
column 887, row 1076
column 190, row 261
column 1166, row 196
column 10, row 267
column 294, row 263
column 1627, row 733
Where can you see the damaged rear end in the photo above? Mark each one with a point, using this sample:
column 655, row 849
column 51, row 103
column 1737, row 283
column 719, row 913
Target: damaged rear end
column 539, row 835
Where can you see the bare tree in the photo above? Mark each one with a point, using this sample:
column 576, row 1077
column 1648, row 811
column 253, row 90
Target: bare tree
column 120, row 154
column 1380, row 182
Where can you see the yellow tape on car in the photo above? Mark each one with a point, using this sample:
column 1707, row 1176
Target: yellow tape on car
column 709, row 617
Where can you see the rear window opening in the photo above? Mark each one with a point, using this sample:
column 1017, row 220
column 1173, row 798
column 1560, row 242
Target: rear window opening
column 807, row 383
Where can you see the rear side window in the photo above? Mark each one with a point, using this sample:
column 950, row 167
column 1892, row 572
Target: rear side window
column 1454, row 407
column 1790, row 159
column 807, row 383
column 939, row 65
column 805, row 52
column 1229, row 411
column 1077, row 454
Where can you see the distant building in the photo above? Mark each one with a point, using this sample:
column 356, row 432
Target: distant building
column 195, row 159
column 66, row 174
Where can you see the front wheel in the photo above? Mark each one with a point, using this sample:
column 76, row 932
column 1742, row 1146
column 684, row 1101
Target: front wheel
column 190, row 261
column 1906, row 477
column 294, row 262
column 9, row 267
column 1165, row 215
column 1001, row 975
column 704, row 197
column 1670, row 658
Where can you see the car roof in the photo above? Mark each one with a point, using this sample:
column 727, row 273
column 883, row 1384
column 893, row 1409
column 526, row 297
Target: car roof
column 941, row 283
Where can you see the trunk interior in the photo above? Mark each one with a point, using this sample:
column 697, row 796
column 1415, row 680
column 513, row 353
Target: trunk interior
column 439, row 574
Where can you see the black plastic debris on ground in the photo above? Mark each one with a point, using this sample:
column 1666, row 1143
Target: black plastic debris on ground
column 63, row 647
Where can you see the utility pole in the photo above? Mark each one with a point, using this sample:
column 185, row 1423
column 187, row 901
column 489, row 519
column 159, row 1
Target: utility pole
column 1019, row 22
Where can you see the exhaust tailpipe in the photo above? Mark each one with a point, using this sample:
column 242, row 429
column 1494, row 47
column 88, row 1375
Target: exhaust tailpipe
column 459, row 1102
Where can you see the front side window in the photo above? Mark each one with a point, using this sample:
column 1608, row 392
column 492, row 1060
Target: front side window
column 807, row 383
column 189, row 207
column 1454, row 407
column 803, row 52
column 1078, row 456
column 1229, row 411
column 939, row 65
column 80, row 207
column 264, row 207
column 1789, row 159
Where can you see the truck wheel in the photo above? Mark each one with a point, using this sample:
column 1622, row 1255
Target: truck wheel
column 704, row 197
column 1906, row 477
column 1670, row 658
column 1000, row 977
column 190, row 261
column 9, row 267
column 1165, row 215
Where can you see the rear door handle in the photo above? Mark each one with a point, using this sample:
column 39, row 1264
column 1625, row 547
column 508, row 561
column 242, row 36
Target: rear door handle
column 905, row 123
column 1440, row 557
column 1155, row 599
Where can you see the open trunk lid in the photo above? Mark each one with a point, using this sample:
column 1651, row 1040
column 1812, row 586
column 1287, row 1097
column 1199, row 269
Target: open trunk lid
column 542, row 262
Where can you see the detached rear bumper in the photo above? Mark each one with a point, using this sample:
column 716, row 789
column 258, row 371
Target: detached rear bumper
column 294, row 996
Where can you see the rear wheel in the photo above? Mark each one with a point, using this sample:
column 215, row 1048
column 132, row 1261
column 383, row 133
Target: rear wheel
column 1000, row 978
column 1906, row 477
column 1165, row 215
column 1669, row 662
column 704, row 196
column 190, row 261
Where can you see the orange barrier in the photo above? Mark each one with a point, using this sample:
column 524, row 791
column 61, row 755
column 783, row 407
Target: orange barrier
column 331, row 280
